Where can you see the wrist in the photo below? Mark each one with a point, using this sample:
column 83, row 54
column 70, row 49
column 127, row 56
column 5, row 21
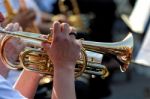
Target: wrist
column 66, row 68
column 32, row 74
column 63, row 73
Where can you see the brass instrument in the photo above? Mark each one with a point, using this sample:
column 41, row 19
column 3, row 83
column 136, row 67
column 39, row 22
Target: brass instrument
column 34, row 55
column 76, row 18
column 73, row 17
column 9, row 9
column 11, row 14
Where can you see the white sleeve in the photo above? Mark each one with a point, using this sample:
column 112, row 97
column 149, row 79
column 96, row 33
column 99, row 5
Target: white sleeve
column 7, row 91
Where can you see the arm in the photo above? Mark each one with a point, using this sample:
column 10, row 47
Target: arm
column 60, row 52
column 63, row 52
column 27, row 83
column 63, row 83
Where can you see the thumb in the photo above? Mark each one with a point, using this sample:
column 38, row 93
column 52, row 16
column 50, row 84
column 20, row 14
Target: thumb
column 56, row 30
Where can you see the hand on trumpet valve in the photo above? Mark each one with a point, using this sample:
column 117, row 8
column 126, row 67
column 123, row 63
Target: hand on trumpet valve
column 14, row 45
column 63, row 46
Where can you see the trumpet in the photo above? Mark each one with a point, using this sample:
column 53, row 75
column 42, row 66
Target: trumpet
column 33, row 58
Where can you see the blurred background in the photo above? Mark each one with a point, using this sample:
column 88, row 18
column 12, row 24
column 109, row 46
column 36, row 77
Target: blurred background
column 95, row 20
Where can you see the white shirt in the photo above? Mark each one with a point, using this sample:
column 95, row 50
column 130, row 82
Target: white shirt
column 7, row 91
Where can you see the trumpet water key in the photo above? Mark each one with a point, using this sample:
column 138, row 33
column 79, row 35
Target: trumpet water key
column 35, row 59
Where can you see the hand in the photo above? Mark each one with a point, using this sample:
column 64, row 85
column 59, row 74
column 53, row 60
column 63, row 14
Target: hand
column 64, row 49
column 14, row 46
column 24, row 18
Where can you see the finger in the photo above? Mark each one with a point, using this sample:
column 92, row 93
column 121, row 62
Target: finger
column 20, row 28
column 9, row 27
column 56, row 29
column 65, row 28
column 72, row 35
column 16, row 27
column 79, row 42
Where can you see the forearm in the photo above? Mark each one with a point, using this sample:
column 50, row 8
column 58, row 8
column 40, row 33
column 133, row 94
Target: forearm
column 63, row 83
column 27, row 83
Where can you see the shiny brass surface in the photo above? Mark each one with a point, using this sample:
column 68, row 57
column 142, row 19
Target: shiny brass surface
column 29, row 58
column 122, row 50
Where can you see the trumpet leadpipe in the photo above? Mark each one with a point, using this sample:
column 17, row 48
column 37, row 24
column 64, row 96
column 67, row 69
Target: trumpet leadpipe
column 27, row 35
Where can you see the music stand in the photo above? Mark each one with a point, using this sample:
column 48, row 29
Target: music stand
column 139, row 18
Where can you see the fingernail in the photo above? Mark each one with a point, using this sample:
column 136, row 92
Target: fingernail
column 56, row 23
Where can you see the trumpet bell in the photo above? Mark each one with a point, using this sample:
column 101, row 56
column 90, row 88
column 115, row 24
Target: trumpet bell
column 122, row 51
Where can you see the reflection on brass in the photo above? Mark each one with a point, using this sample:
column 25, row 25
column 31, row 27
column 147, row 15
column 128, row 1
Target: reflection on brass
column 122, row 51
column 37, row 60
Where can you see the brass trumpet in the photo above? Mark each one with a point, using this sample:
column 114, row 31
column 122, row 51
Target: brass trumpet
column 35, row 59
